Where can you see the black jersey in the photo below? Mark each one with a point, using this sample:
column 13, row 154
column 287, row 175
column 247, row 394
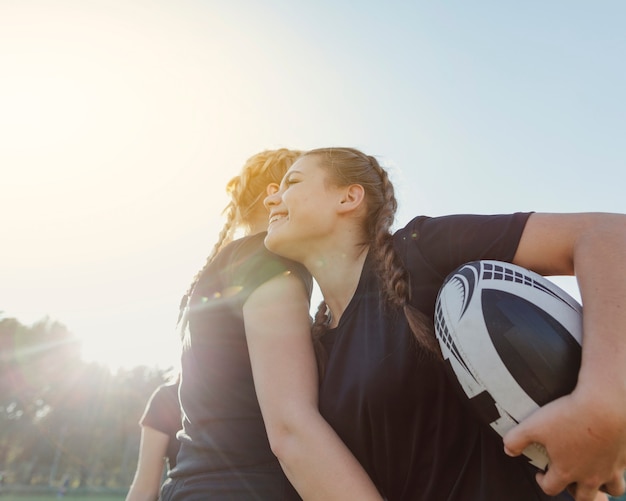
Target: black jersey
column 397, row 409
column 223, row 428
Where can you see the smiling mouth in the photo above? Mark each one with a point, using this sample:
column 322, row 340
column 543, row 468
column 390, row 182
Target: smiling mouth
column 276, row 217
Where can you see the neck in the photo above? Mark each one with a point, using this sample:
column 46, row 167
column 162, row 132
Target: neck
column 257, row 226
column 338, row 274
column 257, row 221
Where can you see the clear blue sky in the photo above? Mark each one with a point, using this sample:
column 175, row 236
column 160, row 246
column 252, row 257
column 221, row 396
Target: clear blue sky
column 122, row 120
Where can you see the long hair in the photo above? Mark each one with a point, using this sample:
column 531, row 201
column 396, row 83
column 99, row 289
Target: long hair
column 350, row 166
column 247, row 191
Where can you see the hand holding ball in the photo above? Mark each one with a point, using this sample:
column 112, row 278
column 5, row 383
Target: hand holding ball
column 513, row 340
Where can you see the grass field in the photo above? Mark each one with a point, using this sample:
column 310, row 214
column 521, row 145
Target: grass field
column 96, row 497
column 27, row 497
column 76, row 495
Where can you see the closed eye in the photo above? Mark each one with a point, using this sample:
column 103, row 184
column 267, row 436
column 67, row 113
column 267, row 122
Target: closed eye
column 290, row 178
column 289, row 181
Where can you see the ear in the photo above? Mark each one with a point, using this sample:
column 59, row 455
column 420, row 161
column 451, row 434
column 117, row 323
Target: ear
column 352, row 198
column 272, row 188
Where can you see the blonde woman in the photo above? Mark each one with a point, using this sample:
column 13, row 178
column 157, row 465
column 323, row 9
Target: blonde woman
column 248, row 389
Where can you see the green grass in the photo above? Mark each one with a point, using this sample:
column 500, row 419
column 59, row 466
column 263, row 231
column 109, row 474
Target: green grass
column 104, row 497
column 51, row 497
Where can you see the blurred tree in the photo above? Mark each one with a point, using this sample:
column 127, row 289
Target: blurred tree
column 32, row 359
column 60, row 416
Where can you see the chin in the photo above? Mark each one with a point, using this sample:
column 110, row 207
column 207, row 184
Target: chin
column 271, row 242
column 277, row 245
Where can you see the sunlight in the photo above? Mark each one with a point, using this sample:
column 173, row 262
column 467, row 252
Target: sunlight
column 165, row 354
column 41, row 108
column 99, row 129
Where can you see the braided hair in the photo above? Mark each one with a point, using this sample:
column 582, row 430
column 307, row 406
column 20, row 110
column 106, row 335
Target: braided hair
column 350, row 166
column 247, row 191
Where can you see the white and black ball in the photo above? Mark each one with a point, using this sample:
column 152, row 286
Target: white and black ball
column 513, row 340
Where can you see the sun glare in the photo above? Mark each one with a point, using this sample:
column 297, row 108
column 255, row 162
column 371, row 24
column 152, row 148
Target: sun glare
column 100, row 134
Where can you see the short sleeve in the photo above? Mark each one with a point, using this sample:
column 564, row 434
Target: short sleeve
column 162, row 411
column 444, row 243
column 430, row 248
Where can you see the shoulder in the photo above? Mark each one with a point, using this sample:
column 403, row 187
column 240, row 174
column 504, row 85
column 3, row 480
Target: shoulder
column 168, row 391
column 445, row 242
column 162, row 408
column 237, row 260
column 246, row 263
column 242, row 248
column 166, row 395
column 424, row 225
column 427, row 227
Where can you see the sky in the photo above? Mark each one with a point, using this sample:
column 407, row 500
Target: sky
column 122, row 120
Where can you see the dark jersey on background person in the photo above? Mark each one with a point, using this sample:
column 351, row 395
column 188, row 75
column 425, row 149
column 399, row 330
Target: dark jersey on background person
column 162, row 413
column 399, row 411
column 224, row 450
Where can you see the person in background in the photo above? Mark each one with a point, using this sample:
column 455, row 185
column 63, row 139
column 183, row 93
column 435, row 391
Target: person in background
column 158, row 447
column 248, row 389
column 384, row 388
column 65, row 483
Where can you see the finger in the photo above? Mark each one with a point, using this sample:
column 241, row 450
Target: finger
column 552, row 484
column 518, row 438
column 586, row 494
column 582, row 493
column 616, row 486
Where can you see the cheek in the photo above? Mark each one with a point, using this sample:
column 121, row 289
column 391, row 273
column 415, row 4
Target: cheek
column 308, row 211
column 306, row 208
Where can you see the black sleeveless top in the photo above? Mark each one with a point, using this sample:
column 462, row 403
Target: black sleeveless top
column 222, row 425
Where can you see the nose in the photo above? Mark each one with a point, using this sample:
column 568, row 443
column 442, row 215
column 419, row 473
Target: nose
column 272, row 199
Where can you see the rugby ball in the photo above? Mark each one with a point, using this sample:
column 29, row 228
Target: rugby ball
column 512, row 339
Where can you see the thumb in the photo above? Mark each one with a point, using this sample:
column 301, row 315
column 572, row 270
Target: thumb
column 519, row 437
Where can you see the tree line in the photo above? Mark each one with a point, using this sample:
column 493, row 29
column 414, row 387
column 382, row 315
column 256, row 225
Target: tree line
column 63, row 418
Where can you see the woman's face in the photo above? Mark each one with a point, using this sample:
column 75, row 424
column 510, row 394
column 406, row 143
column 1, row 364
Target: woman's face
column 302, row 211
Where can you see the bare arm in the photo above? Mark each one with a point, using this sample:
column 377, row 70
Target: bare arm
column 315, row 460
column 585, row 432
column 147, row 482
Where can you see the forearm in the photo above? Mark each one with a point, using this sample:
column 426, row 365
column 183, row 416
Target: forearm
column 593, row 247
column 147, row 482
column 584, row 432
column 600, row 267
column 318, row 463
column 314, row 458
column 146, row 485
column 137, row 493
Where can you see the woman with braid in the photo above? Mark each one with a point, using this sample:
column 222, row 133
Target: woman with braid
column 248, row 370
column 384, row 388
